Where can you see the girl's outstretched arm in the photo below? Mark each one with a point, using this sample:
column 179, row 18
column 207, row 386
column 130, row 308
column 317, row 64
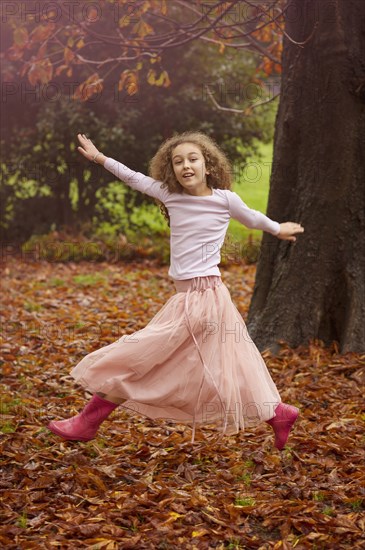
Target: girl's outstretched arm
column 135, row 180
column 257, row 220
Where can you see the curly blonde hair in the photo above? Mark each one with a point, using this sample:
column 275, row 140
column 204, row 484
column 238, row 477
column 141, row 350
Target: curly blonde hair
column 216, row 162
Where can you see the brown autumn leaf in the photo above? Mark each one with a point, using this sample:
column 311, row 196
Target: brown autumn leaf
column 141, row 484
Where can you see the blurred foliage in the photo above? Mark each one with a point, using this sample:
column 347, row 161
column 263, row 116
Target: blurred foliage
column 47, row 186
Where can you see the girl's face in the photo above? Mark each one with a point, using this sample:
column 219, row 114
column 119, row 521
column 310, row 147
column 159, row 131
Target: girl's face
column 189, row 167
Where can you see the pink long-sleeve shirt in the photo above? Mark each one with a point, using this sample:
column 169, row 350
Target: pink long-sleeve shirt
column 198, row 224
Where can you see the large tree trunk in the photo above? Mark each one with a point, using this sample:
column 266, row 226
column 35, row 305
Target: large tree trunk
column 315, row 288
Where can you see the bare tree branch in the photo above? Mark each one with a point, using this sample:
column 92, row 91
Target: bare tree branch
column 111, row 59
column 185, row 34
column 238, row 111
column 274, row 20
column 217, row 23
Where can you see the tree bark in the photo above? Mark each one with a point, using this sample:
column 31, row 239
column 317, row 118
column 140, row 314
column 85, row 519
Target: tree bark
column 315, row 288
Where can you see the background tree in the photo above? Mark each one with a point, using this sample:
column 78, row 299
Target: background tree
column 315, row 288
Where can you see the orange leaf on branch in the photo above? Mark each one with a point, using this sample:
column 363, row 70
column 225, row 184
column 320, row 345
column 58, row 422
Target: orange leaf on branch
column 15, row 53
column 40, row 72
column 68, row 55
column 158, row 5
column 151, row 77
column 124, row 21
column 278, row 68
column 145, row 6
column 92, row 15
column 155, row 59
column 80, row 44
column 60, row 69
column 129, row 82
column 163, row 80
column 142, row 29
column 163, row 7
column 93, row 85
column 42, row 51
column 21, row 37
column 42, row 32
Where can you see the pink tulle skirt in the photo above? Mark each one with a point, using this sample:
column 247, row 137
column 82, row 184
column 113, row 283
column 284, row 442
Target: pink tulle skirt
column 194, row 363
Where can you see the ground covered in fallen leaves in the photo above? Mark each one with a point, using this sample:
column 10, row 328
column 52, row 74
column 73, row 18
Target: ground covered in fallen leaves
column 142, row 484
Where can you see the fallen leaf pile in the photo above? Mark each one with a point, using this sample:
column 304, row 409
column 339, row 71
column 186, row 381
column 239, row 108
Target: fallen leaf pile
column 142, row 484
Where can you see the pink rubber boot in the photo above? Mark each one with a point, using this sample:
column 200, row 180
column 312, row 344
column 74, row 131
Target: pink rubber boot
column 282, row 423
column 84, row 426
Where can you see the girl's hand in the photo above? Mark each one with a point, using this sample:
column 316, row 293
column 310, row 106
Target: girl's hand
column 288, row 230
column 87, row 148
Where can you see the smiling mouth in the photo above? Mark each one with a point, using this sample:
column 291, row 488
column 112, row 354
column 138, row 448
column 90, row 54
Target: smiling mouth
column 188, row 175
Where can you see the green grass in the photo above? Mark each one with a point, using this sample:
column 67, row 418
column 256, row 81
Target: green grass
column 252, row 185
column 32, row 306
column 7, row 407
column 55, row 281
column 245, row 478
column 244, row 501
column 7, row 427
column 87, row 280
column 234, row 544
column 318, row 496
column 328, row 511
column 357, row 505
column 22, row 520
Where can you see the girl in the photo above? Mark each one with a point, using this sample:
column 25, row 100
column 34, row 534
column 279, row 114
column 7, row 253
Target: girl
column 194, row 362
